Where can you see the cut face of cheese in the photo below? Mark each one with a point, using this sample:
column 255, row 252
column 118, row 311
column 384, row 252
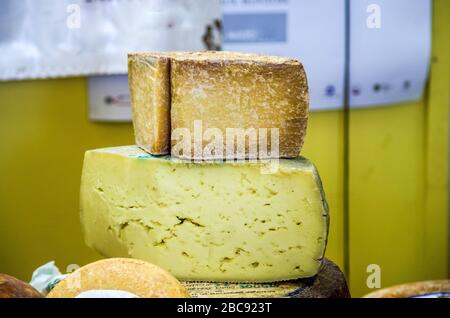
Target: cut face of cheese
column 150, row 99
column 206, row 221
column 219, row 91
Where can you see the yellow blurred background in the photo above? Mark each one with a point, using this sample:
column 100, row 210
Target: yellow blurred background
column 397, row 212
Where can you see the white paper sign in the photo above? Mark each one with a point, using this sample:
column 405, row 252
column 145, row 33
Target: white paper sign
column 311, row 31
column 390, row 50
column 55, row 38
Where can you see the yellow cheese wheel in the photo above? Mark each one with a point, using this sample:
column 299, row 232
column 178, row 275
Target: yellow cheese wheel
column 137, row 277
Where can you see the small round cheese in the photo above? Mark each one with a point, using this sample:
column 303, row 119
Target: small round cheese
column 142, row 279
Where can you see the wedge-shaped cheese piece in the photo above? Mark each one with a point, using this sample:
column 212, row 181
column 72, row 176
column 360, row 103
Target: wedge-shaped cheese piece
column 213, row 92
column 150, row 99
column 205, row 221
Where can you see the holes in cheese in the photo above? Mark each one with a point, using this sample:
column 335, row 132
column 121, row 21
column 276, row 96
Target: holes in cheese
column 226, row 98
column 209, row 221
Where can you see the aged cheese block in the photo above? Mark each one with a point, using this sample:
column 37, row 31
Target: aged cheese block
column 121, row 275
column 206, row 221
column 11, row 287
column 259, row 102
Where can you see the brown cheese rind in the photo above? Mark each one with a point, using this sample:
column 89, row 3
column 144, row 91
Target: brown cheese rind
column 222, row 90
column 11, row 287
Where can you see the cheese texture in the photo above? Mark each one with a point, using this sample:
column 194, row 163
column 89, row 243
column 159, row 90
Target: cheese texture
column 150, row 99
column 205, row 221
column 219, row 90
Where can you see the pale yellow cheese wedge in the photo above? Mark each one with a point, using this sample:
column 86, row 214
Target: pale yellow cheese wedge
column 205, row 221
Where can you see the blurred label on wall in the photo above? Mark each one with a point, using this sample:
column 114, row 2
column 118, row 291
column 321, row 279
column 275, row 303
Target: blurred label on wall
column 311, row 31
column 109, row 99
column 256, row 28
column 390, row 48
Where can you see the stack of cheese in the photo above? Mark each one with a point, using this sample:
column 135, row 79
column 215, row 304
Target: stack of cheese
column 179, row 199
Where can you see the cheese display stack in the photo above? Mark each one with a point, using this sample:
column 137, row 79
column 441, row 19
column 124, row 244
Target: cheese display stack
column 218, row 220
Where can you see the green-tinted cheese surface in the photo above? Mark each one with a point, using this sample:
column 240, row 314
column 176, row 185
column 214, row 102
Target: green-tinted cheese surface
column 205, row 221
